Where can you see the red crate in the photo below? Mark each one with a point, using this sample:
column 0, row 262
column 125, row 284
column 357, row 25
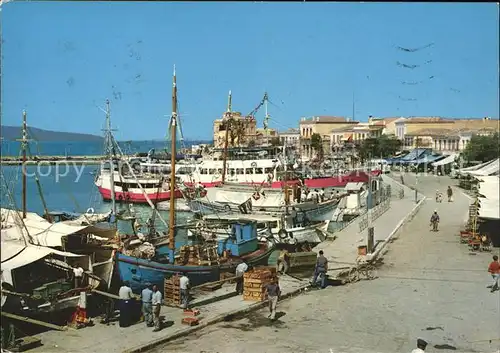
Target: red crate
column 190, row 321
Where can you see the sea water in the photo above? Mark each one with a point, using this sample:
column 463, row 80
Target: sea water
column 69, row 188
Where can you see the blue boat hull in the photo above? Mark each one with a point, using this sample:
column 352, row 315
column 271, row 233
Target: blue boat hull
column 139, row 271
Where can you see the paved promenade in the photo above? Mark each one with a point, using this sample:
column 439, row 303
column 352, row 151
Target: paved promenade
column 430, row 287
column 112, row 338
column 343, row 251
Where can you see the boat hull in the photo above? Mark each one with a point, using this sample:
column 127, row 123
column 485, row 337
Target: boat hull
column 318, row 212
column 133, row 197
column 138, row 272
column 311, row 234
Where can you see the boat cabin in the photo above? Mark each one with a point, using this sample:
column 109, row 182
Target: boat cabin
column 243, row 239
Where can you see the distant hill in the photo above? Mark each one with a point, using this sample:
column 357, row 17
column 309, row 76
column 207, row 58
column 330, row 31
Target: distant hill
column 11, row 133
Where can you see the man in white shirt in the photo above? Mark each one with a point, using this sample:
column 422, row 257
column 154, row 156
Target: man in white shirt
column 184, row 286
column 156, row 301
column 126, row 295
column 421, row 345
column 240, row 270
column 78, row 274
column 125, row 292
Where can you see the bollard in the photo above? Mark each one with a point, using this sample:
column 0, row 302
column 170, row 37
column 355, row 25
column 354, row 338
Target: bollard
column 371, row 237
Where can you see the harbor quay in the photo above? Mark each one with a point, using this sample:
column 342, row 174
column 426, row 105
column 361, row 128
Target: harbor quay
column 430, row 287
column 222, row 305
column 52, row 160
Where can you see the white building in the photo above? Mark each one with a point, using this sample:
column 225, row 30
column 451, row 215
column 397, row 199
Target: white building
column 290, row 138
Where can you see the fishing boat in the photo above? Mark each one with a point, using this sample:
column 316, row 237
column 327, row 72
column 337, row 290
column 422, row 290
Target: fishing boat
column 39, row 277
column 141, row 262
column 269, row 228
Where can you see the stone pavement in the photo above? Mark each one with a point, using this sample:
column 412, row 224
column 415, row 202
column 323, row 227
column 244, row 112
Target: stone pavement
column 430, row 287
column 343, row 251
column 112, row 338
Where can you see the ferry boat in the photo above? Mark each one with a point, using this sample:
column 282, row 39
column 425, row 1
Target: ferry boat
column 190, row 177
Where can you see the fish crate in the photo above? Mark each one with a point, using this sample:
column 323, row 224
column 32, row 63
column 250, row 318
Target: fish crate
column 262, row 275
column 254, row 296
column 172, row 291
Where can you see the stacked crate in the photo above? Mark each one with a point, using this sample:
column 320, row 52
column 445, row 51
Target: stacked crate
column 189, row 255
column 254, row 283
column 172, row 291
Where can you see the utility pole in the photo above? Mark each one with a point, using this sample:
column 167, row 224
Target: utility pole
column 227, row 124
column 416, row 172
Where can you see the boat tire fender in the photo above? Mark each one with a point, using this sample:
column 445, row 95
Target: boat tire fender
column 227, row 208
column 282, row 234
column 90, row 210
column 253, row 165
column 256, row 196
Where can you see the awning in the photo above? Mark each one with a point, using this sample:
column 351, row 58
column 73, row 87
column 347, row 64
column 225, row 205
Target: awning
column 489, row 209
column 447, row 160
column 29, row 254
column 489, row 187
column 490, row 169
column 41, row 231
column 424, row 159
column 476, row 167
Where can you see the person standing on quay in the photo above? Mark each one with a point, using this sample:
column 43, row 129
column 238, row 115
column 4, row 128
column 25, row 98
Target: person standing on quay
column 184, row 286
column 126, row 295
column 273, row 294
column 240, row 271
column 494, row 270
column 449, row 192
column 320, row 270
column 156, row 304
column 147, row 304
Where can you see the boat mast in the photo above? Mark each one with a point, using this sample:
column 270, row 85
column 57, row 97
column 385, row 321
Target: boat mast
column 24, row 145
column 266, row 119
column 227, row 117
column 173, row 128
column 110, row 158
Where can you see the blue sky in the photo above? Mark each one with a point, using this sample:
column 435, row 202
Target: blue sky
column 63, row 59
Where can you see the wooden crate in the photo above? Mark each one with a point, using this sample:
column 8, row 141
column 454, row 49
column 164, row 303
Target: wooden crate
column 256, row 297
column 250, row 291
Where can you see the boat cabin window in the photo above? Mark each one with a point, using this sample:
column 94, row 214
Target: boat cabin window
column 273, row 224
column 204, row 171
column 240, row 171
column 185, row 170
column 261, row 226
column 136, row 185
column 231, row 171
column 211, row 171
column 258, row 170
column 249, row 171
column 219, row 171
column 269, row 170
